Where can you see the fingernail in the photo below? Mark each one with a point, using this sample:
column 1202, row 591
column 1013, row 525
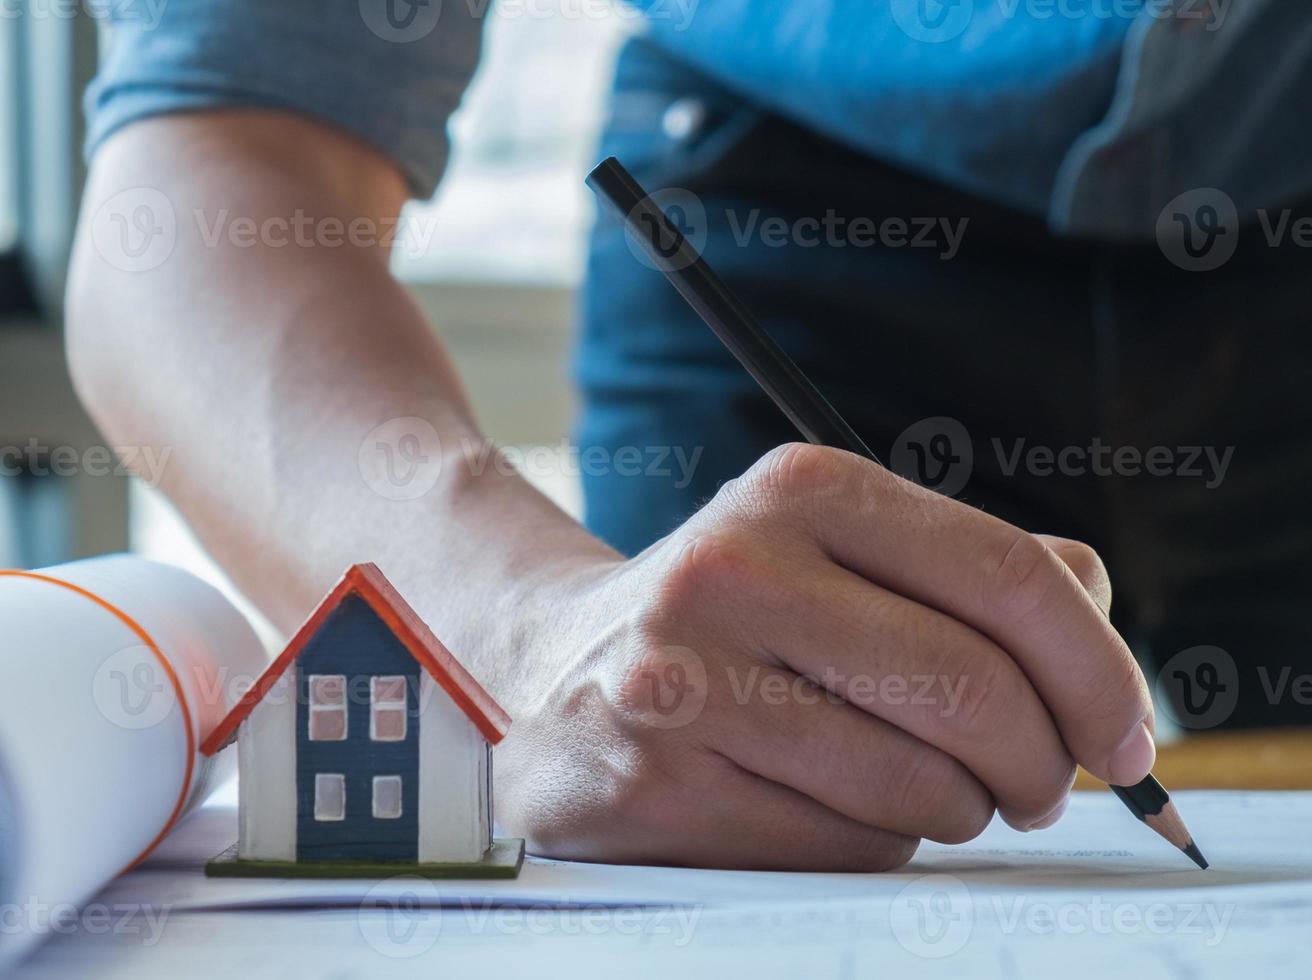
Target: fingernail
column 1052, row 817
column 1134, row 757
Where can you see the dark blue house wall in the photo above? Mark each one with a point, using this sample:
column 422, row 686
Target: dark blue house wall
column 354, row 642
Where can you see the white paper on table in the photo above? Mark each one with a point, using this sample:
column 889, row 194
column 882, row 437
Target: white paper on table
column 93, row 736
column 1096, row 895
column 1251, row 839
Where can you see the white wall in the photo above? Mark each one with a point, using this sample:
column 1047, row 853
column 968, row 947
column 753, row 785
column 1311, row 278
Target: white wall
column 266, row 761
column 451, row 824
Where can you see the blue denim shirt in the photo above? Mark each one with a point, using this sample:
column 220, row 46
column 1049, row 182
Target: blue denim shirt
column 1095, row 113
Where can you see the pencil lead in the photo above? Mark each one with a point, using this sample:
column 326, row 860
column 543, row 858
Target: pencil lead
column 1196, row 855
column 1168, row 824
column 1149, row 801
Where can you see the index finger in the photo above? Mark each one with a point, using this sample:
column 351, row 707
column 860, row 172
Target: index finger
column 1004, row 582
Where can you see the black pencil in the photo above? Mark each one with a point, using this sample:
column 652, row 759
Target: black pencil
column 795, row 395
column 1149, row 801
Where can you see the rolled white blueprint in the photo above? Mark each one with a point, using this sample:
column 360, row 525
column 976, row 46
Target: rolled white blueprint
column 112, row 672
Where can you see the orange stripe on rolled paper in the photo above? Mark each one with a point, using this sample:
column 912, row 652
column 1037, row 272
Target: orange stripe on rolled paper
column 172, row 675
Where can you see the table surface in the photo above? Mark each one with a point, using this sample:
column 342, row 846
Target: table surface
column 1279, row 759
column 348, row 939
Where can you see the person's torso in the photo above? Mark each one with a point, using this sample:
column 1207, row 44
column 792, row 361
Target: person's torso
column 1094, row 113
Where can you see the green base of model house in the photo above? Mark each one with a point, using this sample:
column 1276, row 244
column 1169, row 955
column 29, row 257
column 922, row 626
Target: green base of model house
column 503, row 860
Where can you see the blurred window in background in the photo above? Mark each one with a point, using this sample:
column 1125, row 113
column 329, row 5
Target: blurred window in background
column 8, row 135
column 22, row 512
column 512, row 207
column 59, row 495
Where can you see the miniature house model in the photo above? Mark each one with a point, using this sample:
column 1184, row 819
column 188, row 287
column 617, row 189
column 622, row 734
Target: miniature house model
column 365, row 745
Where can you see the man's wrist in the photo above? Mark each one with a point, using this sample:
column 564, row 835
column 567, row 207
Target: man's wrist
column 518, row 617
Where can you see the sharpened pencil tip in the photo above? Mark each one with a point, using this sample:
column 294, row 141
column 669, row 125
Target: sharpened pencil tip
column 1196, row 855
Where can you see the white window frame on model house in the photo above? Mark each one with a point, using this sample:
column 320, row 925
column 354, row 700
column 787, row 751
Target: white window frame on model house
column 322, row 811
column 319, row 706
column 381, row 706
column 380, row 811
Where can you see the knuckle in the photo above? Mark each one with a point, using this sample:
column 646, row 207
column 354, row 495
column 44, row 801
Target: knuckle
column 633, row 690
column 712, row 561
column 1025, row 571
column 644, row 682
column 798, row 469
column 1084, row 562
column 1088, row 568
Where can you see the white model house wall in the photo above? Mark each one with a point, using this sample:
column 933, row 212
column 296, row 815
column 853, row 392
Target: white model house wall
column 454, row 777
column 266, row 763
column 453, row 819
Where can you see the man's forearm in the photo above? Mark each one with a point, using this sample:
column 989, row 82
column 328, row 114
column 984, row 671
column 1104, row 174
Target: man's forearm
column 645, row 730
column 265, row 362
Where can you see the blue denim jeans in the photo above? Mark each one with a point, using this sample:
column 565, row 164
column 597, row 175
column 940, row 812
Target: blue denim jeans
column 1092, row 391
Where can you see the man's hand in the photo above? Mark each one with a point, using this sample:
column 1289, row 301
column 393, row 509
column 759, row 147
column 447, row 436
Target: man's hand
column 822, row 666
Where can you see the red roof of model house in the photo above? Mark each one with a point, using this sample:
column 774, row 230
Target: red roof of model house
column 367, row 582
